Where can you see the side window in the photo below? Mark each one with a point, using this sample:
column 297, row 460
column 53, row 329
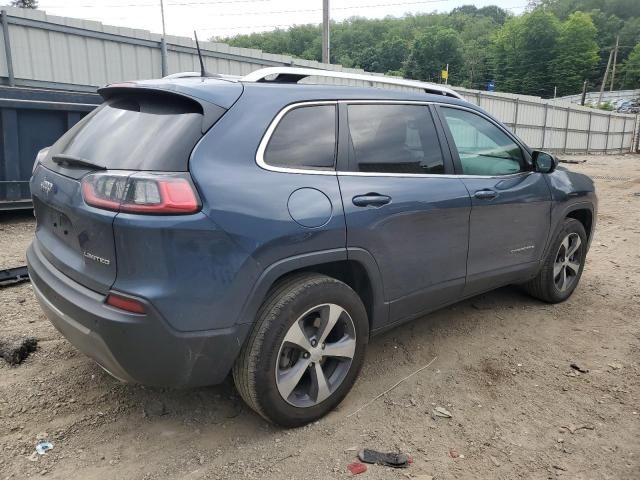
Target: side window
column 388, row 138
column 483, row 148
column 304, row 138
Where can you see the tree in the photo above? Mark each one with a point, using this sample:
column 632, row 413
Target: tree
column 25, row 3
column 552, row 44
column 631, row 69
column 576, row 53
column 496, row 13
column 476, row 37
column 524, row 50
column 432, row 51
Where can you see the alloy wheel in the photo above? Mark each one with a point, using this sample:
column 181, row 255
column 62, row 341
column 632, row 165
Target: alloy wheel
column 567, row 263
column 315, row 355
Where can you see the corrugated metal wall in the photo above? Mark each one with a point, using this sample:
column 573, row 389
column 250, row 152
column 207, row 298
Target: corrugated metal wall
column 66, row 53
column 556, row 125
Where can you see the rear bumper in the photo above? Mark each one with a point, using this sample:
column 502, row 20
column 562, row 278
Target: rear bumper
column 133, row 348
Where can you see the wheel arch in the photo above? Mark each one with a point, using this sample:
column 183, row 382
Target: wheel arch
column 585, row 217
column 584, row 212
column 355, row 267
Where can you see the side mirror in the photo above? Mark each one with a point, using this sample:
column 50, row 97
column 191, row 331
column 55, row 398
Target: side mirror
column 543, row 162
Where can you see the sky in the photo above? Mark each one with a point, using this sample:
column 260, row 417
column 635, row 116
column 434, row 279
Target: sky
column 225, row 18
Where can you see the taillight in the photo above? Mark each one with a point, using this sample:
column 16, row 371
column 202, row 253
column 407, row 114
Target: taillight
column 141, row 192
column 39, row 158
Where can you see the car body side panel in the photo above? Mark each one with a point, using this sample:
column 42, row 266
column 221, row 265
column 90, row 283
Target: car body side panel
column 571, row 191
column 419, row 240
column 250, row 203
column 508, row 234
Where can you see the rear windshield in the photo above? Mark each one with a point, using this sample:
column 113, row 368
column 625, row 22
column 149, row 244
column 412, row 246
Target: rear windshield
column 141, row 131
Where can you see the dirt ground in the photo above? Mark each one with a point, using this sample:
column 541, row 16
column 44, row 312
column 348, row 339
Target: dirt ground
column 502, row 369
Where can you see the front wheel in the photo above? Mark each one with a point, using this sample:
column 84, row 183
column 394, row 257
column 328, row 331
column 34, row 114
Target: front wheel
column 563, row 265
column 305, row 351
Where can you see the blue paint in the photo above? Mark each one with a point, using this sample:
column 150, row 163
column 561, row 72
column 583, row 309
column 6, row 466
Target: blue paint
column 309, row 207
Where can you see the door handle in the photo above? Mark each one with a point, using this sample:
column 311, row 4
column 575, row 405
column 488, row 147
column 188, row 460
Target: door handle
column 371, row 199
column 486, row 194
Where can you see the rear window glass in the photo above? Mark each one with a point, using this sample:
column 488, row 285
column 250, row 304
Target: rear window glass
column 138, row 132
column 304, row 138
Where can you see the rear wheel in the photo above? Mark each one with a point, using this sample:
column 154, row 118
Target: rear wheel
column 305, row 351
column 563, row 265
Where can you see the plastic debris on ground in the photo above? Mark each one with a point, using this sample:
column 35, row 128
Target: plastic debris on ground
column 356, row 468
column 442, row 412
column 43, row 447
column 579, row 368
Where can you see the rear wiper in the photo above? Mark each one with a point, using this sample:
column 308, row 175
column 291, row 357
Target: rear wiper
column 73, row 161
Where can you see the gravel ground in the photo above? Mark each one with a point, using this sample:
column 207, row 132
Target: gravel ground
column 502, row 369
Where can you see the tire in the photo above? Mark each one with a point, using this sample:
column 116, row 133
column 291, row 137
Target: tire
column 272, row 358
column 548, row 284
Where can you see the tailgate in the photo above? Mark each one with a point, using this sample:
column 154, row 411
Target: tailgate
column 135, row 130
column 74, row 237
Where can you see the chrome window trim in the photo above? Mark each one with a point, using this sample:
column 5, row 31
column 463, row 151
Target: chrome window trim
column 262, row 147
column 307, row 171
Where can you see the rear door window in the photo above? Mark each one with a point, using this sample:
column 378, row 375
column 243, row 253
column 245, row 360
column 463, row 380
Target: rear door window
column 304, row 138
column 141, row 131
column 389, row 138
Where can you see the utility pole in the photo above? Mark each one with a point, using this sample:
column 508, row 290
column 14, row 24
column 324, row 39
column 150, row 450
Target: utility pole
column 584, row 93
column 325, row 31
column 604, row 80
column 615, row 59
column 163, row 43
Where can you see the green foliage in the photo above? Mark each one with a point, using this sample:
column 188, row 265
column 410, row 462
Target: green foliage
column 576, row 53
column 524, row 53
column 558, row 43
column 24, row 3
column 431, row 51
column 631, row 69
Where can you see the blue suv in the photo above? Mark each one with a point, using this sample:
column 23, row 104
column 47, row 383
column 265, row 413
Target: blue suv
column 192, row 227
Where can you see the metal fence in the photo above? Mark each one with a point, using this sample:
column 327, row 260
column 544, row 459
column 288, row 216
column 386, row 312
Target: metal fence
column 559, row 126
column 47, row 51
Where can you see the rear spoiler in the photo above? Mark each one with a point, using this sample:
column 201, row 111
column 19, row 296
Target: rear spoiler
column 210, row 111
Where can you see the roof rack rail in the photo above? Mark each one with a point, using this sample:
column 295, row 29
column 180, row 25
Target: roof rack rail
column 294, row 75
column 222, row 76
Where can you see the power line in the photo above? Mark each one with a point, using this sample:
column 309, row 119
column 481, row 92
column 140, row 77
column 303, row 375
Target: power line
column 234, row 2
column 155, row 4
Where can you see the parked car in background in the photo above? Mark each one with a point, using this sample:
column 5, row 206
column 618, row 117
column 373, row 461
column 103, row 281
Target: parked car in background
column 193, row 227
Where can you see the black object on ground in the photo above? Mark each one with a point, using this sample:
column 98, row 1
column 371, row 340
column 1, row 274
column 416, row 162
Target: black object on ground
column 13, row 275
column 579, row 368
column 16, row 350
column 396, row 460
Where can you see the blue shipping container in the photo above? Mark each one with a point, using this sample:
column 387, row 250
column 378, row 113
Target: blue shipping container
column 31, row 119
